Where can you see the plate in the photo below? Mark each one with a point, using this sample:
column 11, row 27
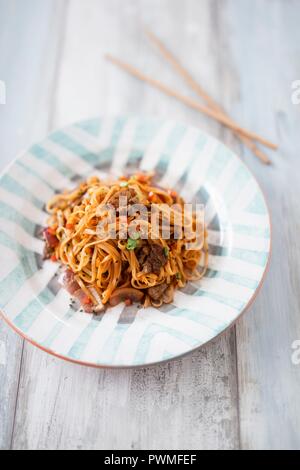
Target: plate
column 201, row 169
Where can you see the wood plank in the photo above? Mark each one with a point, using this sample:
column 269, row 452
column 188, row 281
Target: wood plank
column 265, row 41
column 190, row 403
column 27, row 65
column 11, row 347
column 186, row 404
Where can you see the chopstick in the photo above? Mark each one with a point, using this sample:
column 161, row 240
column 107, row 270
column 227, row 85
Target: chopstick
column 191, row 82
column 189, row 101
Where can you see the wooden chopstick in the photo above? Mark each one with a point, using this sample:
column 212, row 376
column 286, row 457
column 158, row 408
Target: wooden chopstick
column 191, row 82
column 189, row 101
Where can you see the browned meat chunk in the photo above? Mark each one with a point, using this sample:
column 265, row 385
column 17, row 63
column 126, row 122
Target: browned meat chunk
column 70, row 283
column 156, row 260
column 168, row 295
column 126, row 293
column 48, row 251
column 51, row 241
column 75, row 291
column 130, row 194
column 157, row 292
column 50, row 238
column 142, row 254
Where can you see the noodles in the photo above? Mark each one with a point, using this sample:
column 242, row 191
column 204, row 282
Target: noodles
column 126, row 239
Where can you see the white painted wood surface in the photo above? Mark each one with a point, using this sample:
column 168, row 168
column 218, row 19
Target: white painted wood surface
column 242, row 390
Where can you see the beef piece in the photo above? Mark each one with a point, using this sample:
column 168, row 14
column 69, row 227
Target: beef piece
column 129, row 193
column 85, row 303
column 75, row 290
column 155, row 260
column 168, row 295
column 89, row 309
column 70, row 282
column 50, row 238
column 51, row 241
column 126, row 293
column 125, row 266
column 156, row 292
column 48, row 251
column 142, row 254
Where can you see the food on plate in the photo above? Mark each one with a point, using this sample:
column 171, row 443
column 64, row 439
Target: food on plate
column 124, row 240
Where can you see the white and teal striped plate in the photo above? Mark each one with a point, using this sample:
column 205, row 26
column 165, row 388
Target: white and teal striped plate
column 196, row 165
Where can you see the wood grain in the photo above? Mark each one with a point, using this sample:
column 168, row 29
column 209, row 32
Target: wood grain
column 11, row 348
column 27, row 65
column 269, row 383
column 186, row 404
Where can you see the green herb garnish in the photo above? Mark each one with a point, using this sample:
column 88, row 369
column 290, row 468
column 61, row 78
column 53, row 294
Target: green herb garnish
column 178, row 276
column 131, row 244
column 124, row 184
column 166, row 251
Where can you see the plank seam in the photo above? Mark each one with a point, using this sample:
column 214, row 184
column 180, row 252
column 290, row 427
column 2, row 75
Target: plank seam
column 237, row 390
column 225, row 134
column 17, row 396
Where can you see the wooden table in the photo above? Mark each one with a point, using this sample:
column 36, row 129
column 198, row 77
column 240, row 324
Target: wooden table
column 242, row 390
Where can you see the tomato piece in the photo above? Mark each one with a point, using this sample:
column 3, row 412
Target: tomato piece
column 172, row 193
column 151, row 196
column 51, row 230
column 141, row 178
column 86, row 300
column 50, row 238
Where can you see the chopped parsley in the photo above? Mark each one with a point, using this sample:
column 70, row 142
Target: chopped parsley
column 166, row 252
column 131, row 244
column 124, row 184
column 178, row 276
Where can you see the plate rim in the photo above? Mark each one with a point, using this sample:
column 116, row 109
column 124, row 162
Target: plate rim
column 257, row 290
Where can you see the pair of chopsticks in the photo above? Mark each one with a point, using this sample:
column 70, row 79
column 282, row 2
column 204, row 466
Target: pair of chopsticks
column 212, row 109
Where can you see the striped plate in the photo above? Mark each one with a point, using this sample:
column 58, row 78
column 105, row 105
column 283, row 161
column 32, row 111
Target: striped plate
column 200, row 168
